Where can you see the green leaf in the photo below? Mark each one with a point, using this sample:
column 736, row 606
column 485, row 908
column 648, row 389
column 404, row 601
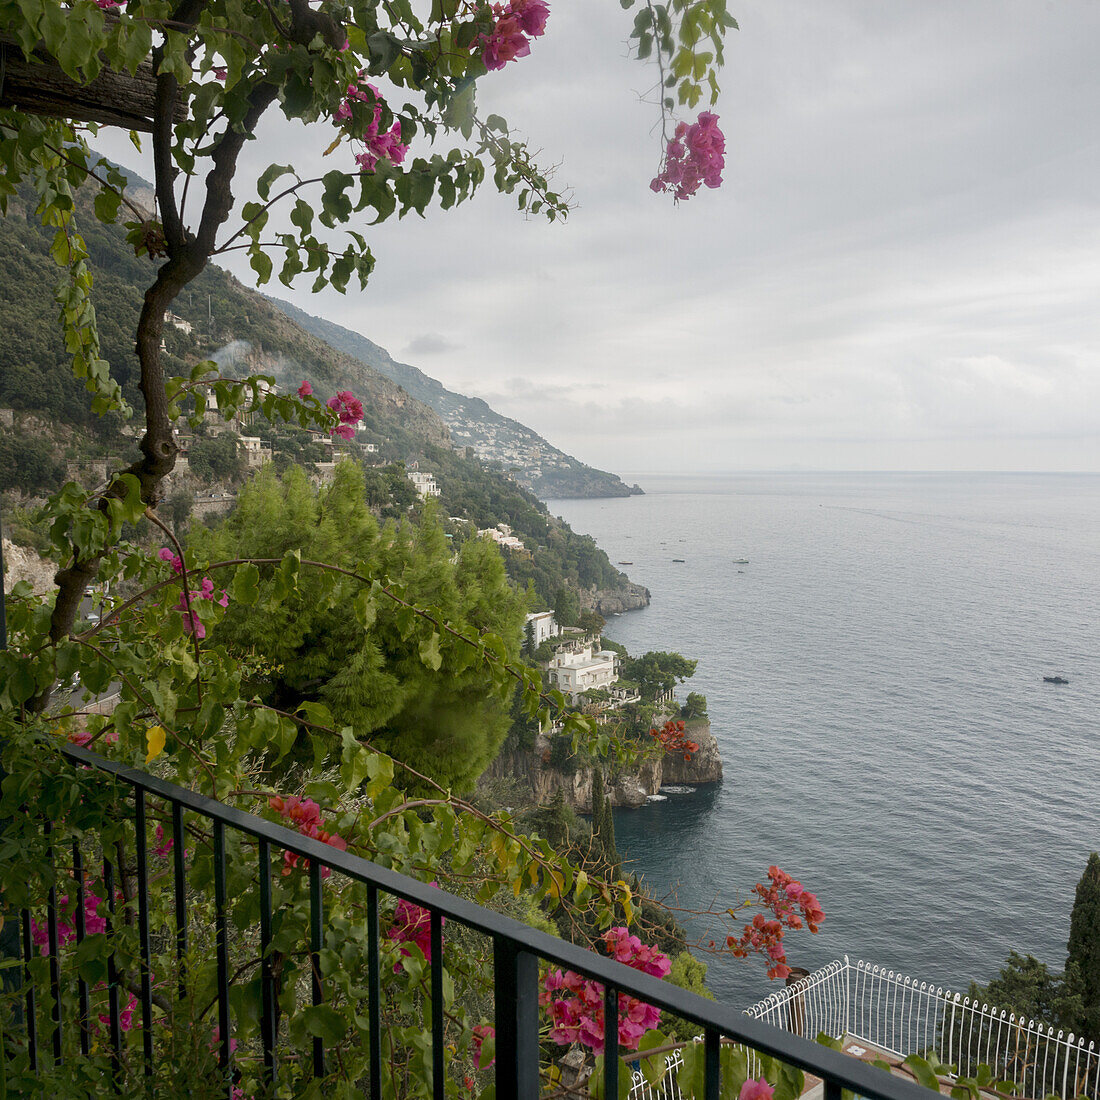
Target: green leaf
column 429, row 652
column 923, row 1072
column 653, row 1069
column 324, row 1022
column 245, row 588
column 269, row 176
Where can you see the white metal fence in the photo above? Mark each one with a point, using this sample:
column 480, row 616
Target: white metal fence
column 901, row 1016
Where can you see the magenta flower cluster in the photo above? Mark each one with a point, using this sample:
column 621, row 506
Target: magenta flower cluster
column 66, row 932
column 94, row 925
column 575, row 1003
column 349, row 411
column 191, row 622
column 695, row 155
column 412, row 924
column 513, row 22
column 377, row 145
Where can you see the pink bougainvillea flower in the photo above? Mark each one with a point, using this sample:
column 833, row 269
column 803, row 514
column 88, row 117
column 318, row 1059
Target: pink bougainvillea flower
column 411, row 924
column 220, row 73
column 694, row 156
column 173, row 559
column 756, row 1090
column 505, row 42
column 301, row 811
column 378, row 145
column 532, row 15
column 481, row 1033
column 163, row 846
column 305, row 389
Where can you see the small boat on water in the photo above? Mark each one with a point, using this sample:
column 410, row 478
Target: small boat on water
column 677, row 559
column 1055, row 680
column 626, row 563
column 740, row 561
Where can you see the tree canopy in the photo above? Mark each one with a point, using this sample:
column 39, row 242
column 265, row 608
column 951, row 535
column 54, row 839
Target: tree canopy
column 368, row 675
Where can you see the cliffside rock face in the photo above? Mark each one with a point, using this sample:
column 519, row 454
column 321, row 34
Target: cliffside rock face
column 625, row 789
column 614, row 601
column 705, row 765
column 21, row 564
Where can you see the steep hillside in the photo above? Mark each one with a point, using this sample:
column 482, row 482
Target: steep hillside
column 53, row 435
column 534, row 463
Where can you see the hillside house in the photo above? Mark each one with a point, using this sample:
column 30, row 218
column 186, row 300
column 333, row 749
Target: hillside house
column 543, row 626
column 424, row 483
column 574, row 673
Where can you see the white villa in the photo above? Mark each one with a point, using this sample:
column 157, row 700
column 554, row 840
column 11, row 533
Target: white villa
column 502, row 535
column 543, row 626
column 424, row 483
column 574, row 673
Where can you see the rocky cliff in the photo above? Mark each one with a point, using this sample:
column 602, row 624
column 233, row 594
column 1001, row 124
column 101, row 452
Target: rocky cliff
column 626, row 787
column 21, row 564
column 614, row 601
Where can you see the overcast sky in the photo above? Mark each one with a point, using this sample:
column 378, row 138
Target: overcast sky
column 901, row 270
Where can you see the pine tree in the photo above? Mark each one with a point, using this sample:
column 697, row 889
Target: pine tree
column 597, row 812
column 1083, row 960
column 607, row 836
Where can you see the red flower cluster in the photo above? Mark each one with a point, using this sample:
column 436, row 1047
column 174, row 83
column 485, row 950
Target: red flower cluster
column 792, row 904
column 349, row 411
column 575, row 1003
column 305, row 815
column 671, row 738
column 513, row 22
column 481, row 1033
column 694, row 156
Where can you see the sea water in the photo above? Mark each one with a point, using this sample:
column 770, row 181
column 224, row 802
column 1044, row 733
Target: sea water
column 875, row 681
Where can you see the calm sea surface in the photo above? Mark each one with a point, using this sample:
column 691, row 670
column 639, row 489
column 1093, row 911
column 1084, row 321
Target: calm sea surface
column 874, row 676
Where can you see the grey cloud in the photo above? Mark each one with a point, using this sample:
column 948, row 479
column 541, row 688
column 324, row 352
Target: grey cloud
column 430, row 343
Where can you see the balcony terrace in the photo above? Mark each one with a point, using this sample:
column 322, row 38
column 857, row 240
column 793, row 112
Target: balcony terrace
column 57, row 1026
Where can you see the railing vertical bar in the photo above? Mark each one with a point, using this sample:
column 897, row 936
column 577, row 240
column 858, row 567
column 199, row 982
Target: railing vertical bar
column 517, row 1020
column 374, row 994
column 81, row 931
column 179, row 885
column 611, row 1040
column 55, row 955
column 832, row 1089
column 222, row 940
column 112, row 972
column 438, row 1081
column 145, row 968
column 316, row 914
column 32, row 1017
column 269, row 1023
column 713, row 1078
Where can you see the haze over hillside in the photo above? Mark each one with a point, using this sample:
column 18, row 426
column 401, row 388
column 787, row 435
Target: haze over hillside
column 533, row 462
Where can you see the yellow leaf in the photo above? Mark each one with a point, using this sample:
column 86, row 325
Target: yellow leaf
column 154, row 742
column 334, row 146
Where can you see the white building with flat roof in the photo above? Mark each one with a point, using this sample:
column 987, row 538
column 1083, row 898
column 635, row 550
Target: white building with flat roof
column 584, row 670
column 424, row 483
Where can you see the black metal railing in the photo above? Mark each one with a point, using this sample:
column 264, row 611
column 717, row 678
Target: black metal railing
column 517, row 951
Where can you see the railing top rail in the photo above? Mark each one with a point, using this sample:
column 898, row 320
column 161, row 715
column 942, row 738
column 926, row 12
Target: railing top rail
column 849, row 1072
